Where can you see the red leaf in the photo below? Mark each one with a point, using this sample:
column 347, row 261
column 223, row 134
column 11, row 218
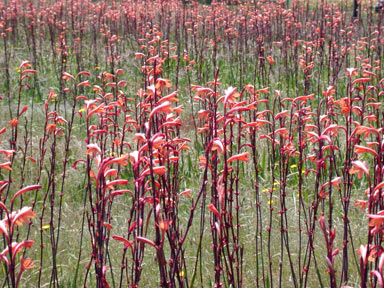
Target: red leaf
column 85, row 73
column 240, row 157
column 164, row 107
column 84, row 83
column 29, row 71
column 214, row 210
column 122, row 239
column 66, row 76
column 117, row 182
column 98, row 109
column 24, row 190
column 361, row 80
column 118, row 192
column 360, row 168
column 379, row 278
column 361, row 149
column 157, row 170
column 146, row 241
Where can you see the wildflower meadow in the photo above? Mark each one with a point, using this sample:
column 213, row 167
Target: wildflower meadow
column 180, row 143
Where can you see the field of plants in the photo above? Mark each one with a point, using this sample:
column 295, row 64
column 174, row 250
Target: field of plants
column 167, row 143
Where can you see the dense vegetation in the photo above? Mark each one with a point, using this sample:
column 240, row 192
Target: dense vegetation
column 175, row 144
